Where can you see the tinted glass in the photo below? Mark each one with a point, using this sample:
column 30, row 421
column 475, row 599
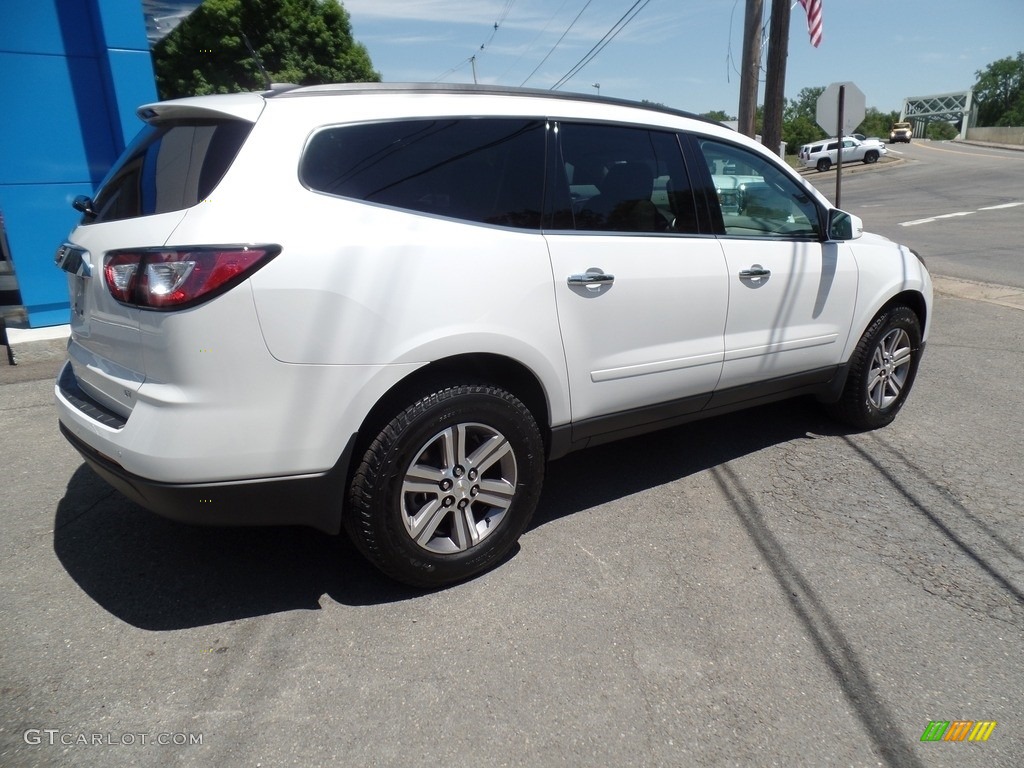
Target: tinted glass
column 622, row 179
column 487, row 170
column 170, row 168
column 756, row 198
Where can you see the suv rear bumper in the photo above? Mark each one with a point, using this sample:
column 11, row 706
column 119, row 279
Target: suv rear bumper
column 309, row 500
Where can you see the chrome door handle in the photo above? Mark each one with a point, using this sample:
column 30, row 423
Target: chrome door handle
column 755, row 271
column 591, row 278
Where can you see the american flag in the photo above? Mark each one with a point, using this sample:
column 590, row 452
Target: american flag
column 813, row 8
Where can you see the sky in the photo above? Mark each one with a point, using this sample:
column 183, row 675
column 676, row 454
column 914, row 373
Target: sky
column 686, row 53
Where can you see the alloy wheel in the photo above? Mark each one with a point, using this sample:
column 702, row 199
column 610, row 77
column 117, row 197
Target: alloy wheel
column 890, row 366
column 458, row 487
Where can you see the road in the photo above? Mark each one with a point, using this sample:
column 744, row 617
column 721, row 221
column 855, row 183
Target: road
column 959, row 205
column 762, row 589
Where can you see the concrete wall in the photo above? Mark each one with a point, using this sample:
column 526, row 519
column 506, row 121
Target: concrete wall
column 1005, row 135
column 72, row 73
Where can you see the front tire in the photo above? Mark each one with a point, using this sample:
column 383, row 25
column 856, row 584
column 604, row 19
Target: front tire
column 882, row 371
column 448, row 486
column 870, row 157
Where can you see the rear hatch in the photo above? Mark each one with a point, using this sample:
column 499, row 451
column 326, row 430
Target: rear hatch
column 172, row 165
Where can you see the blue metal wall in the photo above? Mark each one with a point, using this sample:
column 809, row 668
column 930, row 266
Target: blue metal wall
column 72, row 73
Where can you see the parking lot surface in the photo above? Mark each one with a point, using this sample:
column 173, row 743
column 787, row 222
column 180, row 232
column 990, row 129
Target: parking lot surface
column 759, row 589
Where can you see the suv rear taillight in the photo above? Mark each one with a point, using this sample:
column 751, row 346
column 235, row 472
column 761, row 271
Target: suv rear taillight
column 177, row 278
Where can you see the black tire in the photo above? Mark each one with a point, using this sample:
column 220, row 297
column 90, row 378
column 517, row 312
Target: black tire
column 448, row 486
column 824, row 164
column 882, row 370
column 870, row 157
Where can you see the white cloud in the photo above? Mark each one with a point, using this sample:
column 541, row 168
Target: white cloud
column 448, row 11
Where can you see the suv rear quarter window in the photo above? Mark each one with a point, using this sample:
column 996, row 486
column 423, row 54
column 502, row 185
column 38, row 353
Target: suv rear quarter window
column 486, row 170
column 169, row 167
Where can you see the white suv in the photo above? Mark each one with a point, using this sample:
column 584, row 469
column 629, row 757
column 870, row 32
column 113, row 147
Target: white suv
column 384, row 307
column 825, row 153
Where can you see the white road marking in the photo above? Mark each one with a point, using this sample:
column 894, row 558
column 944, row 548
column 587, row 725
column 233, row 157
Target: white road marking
column 998, row 207
column 930, row 219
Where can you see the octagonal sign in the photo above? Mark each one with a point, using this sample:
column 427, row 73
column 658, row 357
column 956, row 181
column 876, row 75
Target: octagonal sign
column 827, row 114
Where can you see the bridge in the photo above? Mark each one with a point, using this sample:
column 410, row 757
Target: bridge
column 945, row 107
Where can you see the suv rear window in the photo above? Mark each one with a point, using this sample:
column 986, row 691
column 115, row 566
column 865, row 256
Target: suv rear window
column 486, row 170
column 169, row 167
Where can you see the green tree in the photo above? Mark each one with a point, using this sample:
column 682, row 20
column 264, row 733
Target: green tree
column 804, row 105
column 307, row 42
column 718, row 115
column 999, row 92
column 941, row 131
column 877, row 123
column 799, row 119
column 799, row 131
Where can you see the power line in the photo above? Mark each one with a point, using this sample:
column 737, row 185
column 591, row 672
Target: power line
column 600, row 45
column 506, row 9
column 501, row 20
column 559, row 41
column 453, row 70
column 533, row 42
column 730, row 60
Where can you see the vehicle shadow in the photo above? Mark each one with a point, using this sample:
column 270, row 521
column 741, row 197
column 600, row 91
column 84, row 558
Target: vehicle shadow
column 160, row 575
column 598, row 475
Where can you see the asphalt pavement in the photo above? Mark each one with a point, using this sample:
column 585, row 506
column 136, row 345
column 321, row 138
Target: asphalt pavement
column 759, row 589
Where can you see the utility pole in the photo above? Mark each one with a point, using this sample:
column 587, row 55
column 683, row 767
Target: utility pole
column 775, row 82
column 750, row 69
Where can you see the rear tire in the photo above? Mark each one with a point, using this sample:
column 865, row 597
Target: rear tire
column 882, row 370
column 824, row 164
column 448, row 486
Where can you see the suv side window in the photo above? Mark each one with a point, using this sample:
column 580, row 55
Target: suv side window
column 763, row 201
column 621, row 179
column 170, row 167
column 486, row 170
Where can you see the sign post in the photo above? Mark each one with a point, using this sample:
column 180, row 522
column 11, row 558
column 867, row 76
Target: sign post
column 841, row 108
column 839, row 149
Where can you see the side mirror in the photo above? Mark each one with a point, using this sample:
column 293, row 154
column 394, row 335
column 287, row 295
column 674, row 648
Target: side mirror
column 83, row 204
column 843, row 225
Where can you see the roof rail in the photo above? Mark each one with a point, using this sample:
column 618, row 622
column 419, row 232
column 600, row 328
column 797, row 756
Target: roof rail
column 334, row 89
column 276, row 88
